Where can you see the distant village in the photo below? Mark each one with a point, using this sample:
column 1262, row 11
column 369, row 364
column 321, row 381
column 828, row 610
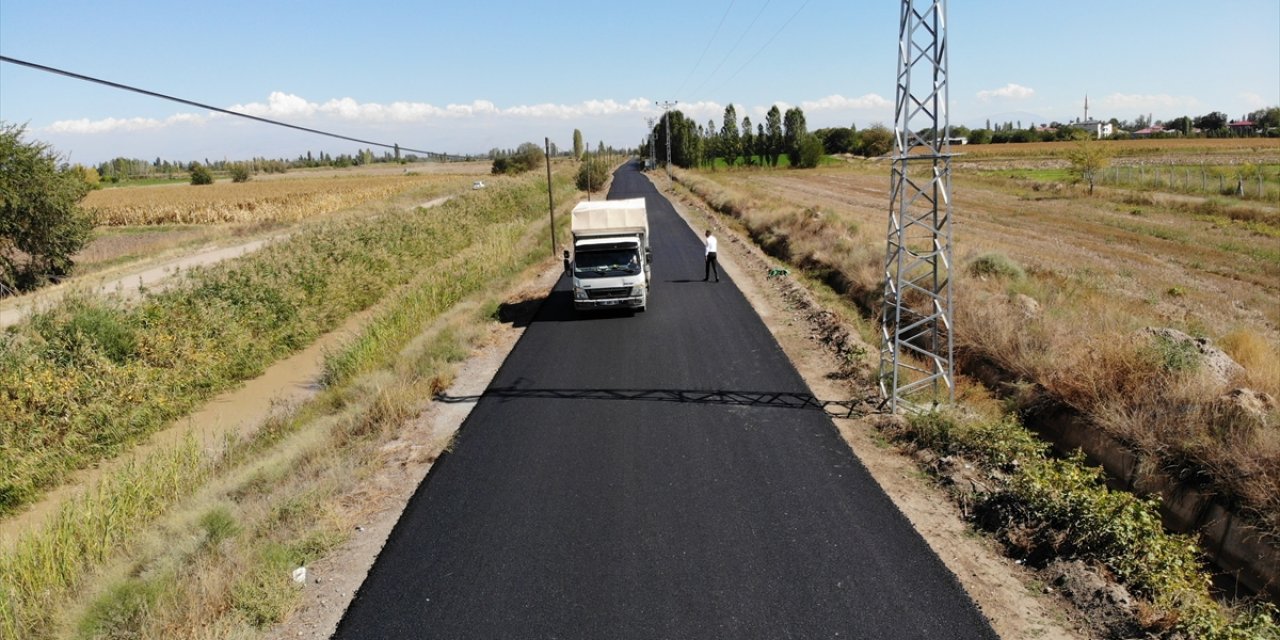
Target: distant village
column 1260, row 123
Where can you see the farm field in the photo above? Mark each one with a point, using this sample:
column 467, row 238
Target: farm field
column 135, row 367
column 1060, row 291
column 257, row 201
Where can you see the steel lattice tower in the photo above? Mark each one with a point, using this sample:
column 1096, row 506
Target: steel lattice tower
column 916, row 363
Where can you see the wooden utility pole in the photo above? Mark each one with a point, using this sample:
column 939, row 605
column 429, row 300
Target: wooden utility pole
column 551, row 202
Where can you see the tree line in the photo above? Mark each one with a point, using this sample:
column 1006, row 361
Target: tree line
column 781, row 136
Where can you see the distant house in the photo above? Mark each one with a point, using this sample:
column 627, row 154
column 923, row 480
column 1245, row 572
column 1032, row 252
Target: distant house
column 1243, row 127
column 1097, row 128
column 1153, row 130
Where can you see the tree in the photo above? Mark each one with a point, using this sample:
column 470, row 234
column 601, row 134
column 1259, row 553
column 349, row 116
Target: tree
column 809, row 153
column 526, row 157
column 730, row 141
column 1180, row 124
column 836, row 139
column 1087, row 159
column 875, row 140
column 773, row 131
column 1265, row 119
column 592, row 173
column 748, row 141
column 762, row 145
column 1212, row 122
column 41, row 222
column 578, row 146
column 794, row 131
column 200, row 174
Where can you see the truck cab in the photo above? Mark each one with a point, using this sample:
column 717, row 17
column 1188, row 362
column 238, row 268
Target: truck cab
column 610, row 263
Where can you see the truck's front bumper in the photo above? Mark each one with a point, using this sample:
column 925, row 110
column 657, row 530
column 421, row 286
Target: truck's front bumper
column 635, row 302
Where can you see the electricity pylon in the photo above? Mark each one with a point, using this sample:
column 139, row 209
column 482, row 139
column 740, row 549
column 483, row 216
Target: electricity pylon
column 916, row 355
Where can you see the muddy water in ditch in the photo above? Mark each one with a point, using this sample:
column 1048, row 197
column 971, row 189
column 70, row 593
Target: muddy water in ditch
column 238, row 411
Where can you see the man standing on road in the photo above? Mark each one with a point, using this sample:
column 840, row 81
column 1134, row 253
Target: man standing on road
column 711, row 258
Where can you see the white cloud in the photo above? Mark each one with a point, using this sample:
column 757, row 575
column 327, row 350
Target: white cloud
column 1253, row 101
column 839, row 102
column 1134, row 103
column 112, row 125
column 1010, row 91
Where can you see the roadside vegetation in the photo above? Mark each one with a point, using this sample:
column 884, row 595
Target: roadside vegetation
column 200, row 537
column 1068, row 298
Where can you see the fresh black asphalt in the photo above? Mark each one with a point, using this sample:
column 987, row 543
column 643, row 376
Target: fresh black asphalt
column 641, row 476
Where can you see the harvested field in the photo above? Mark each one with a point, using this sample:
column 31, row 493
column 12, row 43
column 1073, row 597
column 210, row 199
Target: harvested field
column 256, row 201
column 1085, row 277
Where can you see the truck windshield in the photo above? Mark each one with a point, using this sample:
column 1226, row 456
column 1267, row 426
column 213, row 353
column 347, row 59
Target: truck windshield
column 597, row 264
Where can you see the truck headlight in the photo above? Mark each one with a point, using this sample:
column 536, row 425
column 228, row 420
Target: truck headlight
column 579, row 293
column 637, row 290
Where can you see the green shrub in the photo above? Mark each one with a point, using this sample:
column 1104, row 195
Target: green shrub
column 996, row 265
column 1175, row 355
column 218, row 525
column 121, row 611
column 239, row 172
column 591, row 174
column 200, row 175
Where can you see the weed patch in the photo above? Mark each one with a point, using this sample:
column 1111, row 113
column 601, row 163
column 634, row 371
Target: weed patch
column 1046, row 509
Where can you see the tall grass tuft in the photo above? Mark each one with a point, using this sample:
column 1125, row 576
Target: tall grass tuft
column 45, row 565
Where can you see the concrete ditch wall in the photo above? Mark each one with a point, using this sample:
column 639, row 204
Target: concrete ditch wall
column 1238, row 549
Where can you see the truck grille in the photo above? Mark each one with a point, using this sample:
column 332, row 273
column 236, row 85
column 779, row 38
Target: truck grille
column 606, row 294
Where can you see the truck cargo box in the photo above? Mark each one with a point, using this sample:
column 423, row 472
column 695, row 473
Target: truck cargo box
column 610, row 217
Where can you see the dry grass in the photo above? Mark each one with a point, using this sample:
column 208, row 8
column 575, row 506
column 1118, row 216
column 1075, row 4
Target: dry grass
column 1077, row 281
column 254, row 201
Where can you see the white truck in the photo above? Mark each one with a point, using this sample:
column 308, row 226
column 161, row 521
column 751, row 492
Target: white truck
column 611, row 255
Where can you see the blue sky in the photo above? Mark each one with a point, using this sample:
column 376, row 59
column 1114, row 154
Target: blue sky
column 464, row 77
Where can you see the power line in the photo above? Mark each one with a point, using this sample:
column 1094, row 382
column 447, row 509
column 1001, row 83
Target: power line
column 730, row 53
column 201, row 105
column 706, row 48
column 766, row 44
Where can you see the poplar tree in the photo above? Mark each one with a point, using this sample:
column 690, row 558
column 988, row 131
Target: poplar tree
column 773, row 129
column 730, row 141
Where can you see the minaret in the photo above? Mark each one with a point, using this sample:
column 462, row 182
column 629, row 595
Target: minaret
column 1086, row 107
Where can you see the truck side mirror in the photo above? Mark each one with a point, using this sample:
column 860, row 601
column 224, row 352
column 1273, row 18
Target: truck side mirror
column 566, row 261
column 648, row 256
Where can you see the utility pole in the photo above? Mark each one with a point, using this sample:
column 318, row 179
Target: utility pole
column 916, row 354
column 666, row 115
column 653, row 140
column 551, row 201
column 588, row 154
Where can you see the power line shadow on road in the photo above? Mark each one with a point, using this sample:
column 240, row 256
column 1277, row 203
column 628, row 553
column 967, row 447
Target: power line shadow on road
column 784, row 400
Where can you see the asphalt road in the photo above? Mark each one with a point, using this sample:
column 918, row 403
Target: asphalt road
column 650, row 476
